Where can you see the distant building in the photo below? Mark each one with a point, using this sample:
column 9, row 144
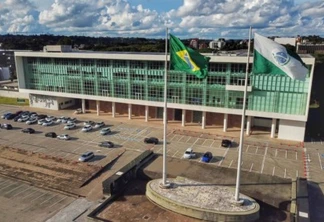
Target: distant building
column 203, row 46
column 194, row 43
column 286, row 41
column 7, row 64
column 217, row 44
column 306, row 48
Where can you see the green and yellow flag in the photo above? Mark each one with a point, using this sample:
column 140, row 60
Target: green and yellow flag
column 185, row 59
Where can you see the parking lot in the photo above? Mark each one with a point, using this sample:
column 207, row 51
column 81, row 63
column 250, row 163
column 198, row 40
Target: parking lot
column 263, row 158
column 34, row 203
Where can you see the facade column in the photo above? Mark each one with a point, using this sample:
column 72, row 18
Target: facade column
column 129, row 111
column 98, row 107
column 83, row 106
column 147, row 113
column 183, row 118
column 113, row 109
column 225, row 122
column 248, row 125
column 273, row 128
column 203, row 120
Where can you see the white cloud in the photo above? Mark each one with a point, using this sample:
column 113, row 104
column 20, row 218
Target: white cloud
column 209, row 18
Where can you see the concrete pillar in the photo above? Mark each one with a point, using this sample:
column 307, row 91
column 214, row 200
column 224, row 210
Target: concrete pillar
column 273, row 128
column 225, row 122
column 203, row 120
column 83, row 106
column 129, row 111
column 248, row 125
column 113, row 109
column 183, row 118
column 98, row 107
column 146, row 113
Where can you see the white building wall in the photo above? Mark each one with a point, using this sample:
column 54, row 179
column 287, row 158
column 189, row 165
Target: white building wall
column 44, row 102
column 64, row 103
column 291, row 130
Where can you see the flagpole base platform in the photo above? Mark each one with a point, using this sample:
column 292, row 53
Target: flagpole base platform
column 202, row 201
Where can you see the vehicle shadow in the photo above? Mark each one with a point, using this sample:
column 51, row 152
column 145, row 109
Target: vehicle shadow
column 38, row 132
column 73, row 138
column 96, row 158
column 16, row 128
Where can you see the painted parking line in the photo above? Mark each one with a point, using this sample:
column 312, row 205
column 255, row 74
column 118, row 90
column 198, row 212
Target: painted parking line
column 48, row 199
column 229, row 166
column 14, row 188
column 273, row 171
column 251, row 167
column 220, row 162
column 7, row 185
column 256, row 151
column 285, row 174
column 320, row 161
column 57, row 202
column 21, row 192
column 263, row 160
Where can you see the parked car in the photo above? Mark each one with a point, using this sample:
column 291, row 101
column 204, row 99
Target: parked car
column 63, row 137
column 153, row 140
column 99, row 125
column 189, row 153
column 50, row 118
column 33, row 114
column 5, row 115
column 78, row 111
column 86, row 156
column 89, row 123
column 69, row 126
column 23, row 118
column 11, row 116
column 41, row 116
column 107, row 144
column 207, row 157
column 28, row 130
column 226, row 143
column 6, row 126
column 47, row 123
column 86, row 128
column 19, row 112
column 17, row 117
column 41, row 121
column 105, row 131
column 31, row 121
column 51, row 134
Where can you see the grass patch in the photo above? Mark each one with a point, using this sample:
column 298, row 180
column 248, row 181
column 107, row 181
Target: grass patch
column 14, row 101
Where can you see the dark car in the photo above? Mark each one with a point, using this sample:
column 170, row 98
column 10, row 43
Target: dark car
column 16, row 118
column 41, row 116
column 51, row 134
column 28, row 130
column 11, row 116
column 18, row 112
column 153, row 140
column 226, row 143
column 107, row 144
column 6, row 126
column 207, row 157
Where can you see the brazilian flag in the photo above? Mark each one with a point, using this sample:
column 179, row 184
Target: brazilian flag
column 185, row 59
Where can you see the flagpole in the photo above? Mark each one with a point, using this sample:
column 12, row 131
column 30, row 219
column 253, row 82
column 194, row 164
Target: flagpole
column 165, row 114
column 239, row 161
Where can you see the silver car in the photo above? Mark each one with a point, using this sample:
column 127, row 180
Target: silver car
column 70, row 126
column 63, row 137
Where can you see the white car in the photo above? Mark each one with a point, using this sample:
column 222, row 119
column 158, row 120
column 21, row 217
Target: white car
column 86, row 128
column 41, row 121
column 63, row 137
column 50, row 118
column 23, row 119
column 86, row 156
column 189, row 153
column 70, row 126
column 47, row 123
column 89, row 123
column 99, row 125
column 31, row 121
column 105, row 131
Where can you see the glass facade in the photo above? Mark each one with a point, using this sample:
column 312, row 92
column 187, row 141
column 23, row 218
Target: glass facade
column 144, row 80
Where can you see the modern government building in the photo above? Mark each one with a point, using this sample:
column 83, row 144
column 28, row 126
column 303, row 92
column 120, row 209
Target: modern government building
column 133, row 84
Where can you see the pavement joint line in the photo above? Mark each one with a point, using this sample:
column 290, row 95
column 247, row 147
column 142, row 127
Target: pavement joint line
column 286, row 154
column 48, row 199
column 175, row 153
column 7, row 185
column 21, row 192
column 4, row 181
column 14, row 189
column 285, row 174
column 256, row 151
column 58, row 202
column 188, row 139
column 38, row 197
column 30, row 194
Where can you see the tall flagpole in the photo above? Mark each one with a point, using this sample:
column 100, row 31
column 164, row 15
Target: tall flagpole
column 239, row 161
column 165, row 113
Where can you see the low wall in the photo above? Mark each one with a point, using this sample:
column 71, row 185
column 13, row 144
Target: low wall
column 13, row 94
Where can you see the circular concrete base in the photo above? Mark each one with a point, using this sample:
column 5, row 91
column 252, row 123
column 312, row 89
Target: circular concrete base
column 202, row 201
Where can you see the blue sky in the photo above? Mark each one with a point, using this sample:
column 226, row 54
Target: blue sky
column 149, row 18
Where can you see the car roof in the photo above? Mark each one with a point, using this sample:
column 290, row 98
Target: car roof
column 87, row 153
column 189, row 149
